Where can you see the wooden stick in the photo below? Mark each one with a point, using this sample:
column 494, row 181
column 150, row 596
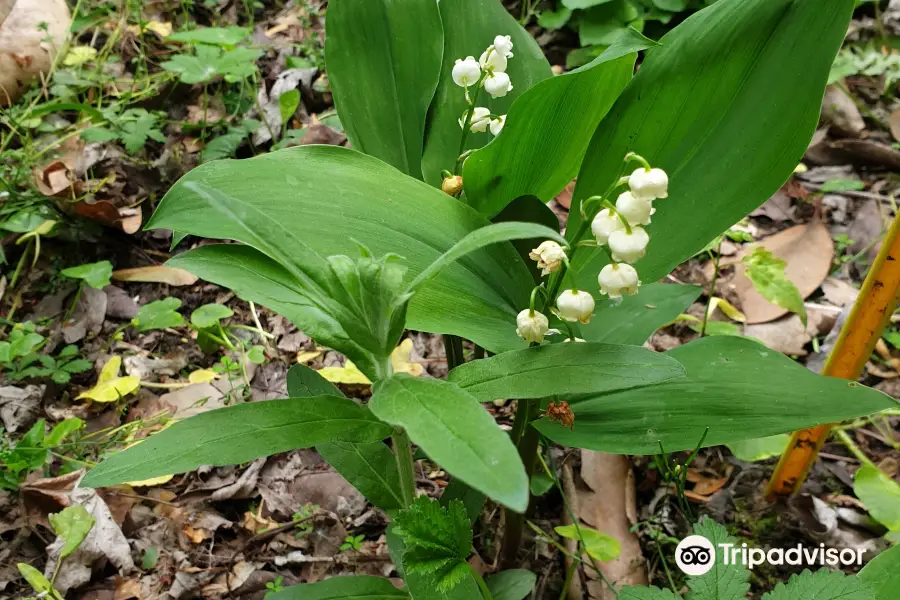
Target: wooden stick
column 870, row 315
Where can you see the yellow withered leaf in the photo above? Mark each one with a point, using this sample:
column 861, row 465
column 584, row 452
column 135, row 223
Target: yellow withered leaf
column 110, row 387
column 401, row 362
column 348, row 374
column 202, row 376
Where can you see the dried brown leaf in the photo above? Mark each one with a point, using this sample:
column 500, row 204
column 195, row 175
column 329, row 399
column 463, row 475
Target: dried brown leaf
column 156, row 274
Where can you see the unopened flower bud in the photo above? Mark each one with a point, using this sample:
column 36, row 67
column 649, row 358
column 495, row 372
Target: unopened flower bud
column 492, row 60
column 575, row 305
column 466, row 71
column 628, row 247
column 497, row 84
column 617, row 278
column 452, row 185
column 604, row 224
column 504, row 45
column 497, row 124
column 635, row 209
column 649, row 183
column 549, row 256
column 532, row 326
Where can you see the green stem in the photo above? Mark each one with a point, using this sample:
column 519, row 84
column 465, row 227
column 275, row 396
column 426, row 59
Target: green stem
column 712, row 287
column 74, row 302
column 485, row 592
column 665, row 565
column 853, row 448
column 403, row 455
column 465, row 132
column 526, row 439
column 454, row 351
column 569, row 574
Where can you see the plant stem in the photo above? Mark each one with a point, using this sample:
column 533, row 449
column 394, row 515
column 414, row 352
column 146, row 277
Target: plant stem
column 852, row 447
column 454, row 351
column 403, row 455
column 569, row 574
column 712, row 286
column 485, row 592
column 666, row 569
column 526, row 439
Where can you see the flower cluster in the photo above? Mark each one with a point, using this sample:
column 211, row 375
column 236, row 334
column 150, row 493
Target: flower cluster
column 488, row 72
column 620, row 227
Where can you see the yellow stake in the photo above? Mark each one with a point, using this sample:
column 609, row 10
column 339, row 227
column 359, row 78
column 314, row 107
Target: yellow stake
column 870, row 315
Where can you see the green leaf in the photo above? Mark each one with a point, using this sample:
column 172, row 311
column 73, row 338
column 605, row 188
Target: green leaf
column 216, row 36
column 61, row 431
column 237, row 434
column 357, row 587
column 766, row 273
column 554, row 19
column 635, row 318
column 532, row 210
column 371, row 468
column 821, row 585
column 35, row 578
column 724, row 109
column 547, row 132
column 454, row 430
column 438, row 541
column 582, row 4
column 882, row 574
column 567, row 368
column 274, row 203
column 288, row 103
column 541, row 483
column 472, row 499
column 73, row 525
column 841, row 185
column 384, row 59
column 880, row 494
column 159, row 314
column 303, row 382
column 598, row 545
column 723, row 581
column 190, row 69
column 759, row 448
column 607, row 22
column 209, row 315
column 512, row 584
column 469, row 28
column 98, row 134
column 646, row 593
column 736, row 387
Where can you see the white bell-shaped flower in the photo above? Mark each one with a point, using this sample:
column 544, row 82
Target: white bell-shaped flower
column 466, row 71
column 497, row 124
column 605, row 223
column 497, row 84
column 493, row 60
column 575, row 305
column 504, row 45
column 628, row 247
column 549, row 256
column 614, row 279
column 481, row 119
column 636, row 209
column 649, row 183
column 532, row 326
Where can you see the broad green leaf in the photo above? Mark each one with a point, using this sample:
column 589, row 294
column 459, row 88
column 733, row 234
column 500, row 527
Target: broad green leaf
column 567, row 368
column 384, row 60
column 646, row 593
column 209, row 315
column 605, row 23
column 759, row 448
column 422, row 586
column 240, row 433
column 470, row 26
column 96, row 275
column 357, row 587
column 582, row 4
column 303, row 382
column 159, row 314
column 471, row 498
column 736, row 387
column 880, row 494
column 821, row 585
column 288, row 103
column 766, row 272
column 512, row 584
column 554, row 19
column 371, row 468
column 437, row 541
column 882, row 574
column 598, row 545
column 635, row 318
column 61, row 431
column 726, row 579
column 454, row 430
column 216, row 36
column 73, row 524
column 35, row 579
column 725, row 109
column 547, row 132
column 274, row 203
column 532, row 210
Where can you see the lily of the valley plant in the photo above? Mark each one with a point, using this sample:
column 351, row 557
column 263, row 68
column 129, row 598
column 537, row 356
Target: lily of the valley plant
column 436, row 221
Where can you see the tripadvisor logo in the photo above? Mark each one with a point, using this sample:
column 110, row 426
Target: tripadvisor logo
column 696, row 555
